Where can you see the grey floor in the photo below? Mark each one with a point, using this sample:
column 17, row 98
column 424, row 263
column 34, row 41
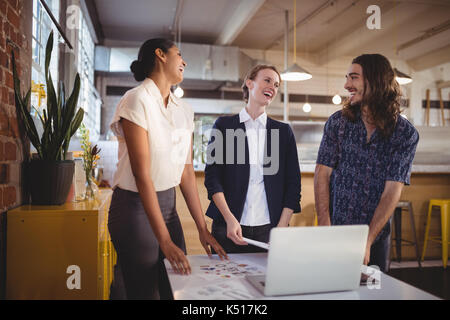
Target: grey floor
column 431, row 278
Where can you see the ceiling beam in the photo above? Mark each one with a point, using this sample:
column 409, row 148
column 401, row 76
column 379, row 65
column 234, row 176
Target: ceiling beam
column 341, row 12
column 442, row 84
column 348, row 41
column 318, row 10
column 430, row 59
column 242, row 15
column 445, row 3
column 427, row 34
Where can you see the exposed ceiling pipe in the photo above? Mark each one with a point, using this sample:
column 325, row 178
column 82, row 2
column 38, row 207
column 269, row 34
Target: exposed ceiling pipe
column 176, row 22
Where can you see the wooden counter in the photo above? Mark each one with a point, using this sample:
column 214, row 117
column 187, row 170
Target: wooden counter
column 424, row 186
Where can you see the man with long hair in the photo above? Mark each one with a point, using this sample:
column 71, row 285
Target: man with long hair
column 365, row 156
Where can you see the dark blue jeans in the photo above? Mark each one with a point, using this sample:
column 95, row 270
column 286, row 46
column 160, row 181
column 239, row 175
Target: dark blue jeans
column 379, row 253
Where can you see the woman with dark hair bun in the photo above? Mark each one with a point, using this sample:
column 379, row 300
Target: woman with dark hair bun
column 154, row 131
column 144, row 65
column 137, row 69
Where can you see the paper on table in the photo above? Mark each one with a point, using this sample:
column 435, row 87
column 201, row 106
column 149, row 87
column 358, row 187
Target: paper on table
column 232, row 289
column 229, row 269
column 257, row 243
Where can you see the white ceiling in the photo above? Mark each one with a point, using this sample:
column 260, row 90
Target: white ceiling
column 326, row 29
column 202, row 21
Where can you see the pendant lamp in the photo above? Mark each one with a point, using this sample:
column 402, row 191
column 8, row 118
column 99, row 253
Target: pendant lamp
column 295, row 72
column 402, row 78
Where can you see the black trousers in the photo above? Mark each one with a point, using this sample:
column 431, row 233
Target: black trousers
column 140, row 272
column 379, row 253
column 258, row 233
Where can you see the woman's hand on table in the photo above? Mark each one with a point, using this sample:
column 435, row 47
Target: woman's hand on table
column 176, row 257
column 207, row 239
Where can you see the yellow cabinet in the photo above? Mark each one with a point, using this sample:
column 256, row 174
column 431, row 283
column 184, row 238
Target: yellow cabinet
column 60, row 252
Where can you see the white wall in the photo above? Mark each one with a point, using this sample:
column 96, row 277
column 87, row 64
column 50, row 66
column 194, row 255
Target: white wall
column 422, row 81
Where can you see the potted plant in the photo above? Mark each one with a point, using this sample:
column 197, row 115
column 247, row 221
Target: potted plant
column 90, row 157
column 50, row 174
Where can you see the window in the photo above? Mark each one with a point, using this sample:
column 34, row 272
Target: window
column 42, row 26
column 89, row 98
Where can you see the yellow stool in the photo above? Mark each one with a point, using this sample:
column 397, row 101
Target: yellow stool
column 444, row 205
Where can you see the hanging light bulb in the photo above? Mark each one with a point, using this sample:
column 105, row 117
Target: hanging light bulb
column 178, row 92
column 307, row 107
column 337, row 99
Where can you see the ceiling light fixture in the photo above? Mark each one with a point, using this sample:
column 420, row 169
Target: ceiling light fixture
column 295, row 72
column 337, row 99
column 307, row 107
column 402, row 78
column 178, row 92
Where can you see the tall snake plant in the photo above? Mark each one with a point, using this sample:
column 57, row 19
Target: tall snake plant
column 59, row 121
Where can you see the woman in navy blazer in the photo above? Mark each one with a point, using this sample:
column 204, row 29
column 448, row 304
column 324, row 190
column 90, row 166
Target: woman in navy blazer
column 252, row 174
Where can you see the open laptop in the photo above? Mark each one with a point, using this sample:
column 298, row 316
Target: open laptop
column 312, row 260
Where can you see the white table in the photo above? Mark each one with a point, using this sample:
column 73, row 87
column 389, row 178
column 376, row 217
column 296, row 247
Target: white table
column 212, row 286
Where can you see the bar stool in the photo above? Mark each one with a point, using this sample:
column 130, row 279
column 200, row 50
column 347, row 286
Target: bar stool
column 401, row 206
column 444, row 205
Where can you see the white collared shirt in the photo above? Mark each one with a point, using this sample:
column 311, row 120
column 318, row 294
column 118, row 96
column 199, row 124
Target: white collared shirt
column 256, row 210
column 169, row 132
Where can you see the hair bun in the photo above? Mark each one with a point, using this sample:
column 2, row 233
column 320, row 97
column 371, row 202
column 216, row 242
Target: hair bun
column 138, row 70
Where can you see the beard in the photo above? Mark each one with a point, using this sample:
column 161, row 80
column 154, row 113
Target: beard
column 356, row 104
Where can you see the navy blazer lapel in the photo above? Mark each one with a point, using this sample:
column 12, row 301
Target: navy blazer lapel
column 241, row 125
column 242, row 170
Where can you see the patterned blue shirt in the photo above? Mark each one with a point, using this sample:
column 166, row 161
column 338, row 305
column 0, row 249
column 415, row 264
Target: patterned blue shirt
column 361, row 168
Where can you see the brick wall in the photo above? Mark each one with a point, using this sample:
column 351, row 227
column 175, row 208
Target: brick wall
column 15, row 34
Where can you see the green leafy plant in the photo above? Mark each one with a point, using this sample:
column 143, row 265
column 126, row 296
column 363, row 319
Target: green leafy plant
column 90, row 154
column 59, row 121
